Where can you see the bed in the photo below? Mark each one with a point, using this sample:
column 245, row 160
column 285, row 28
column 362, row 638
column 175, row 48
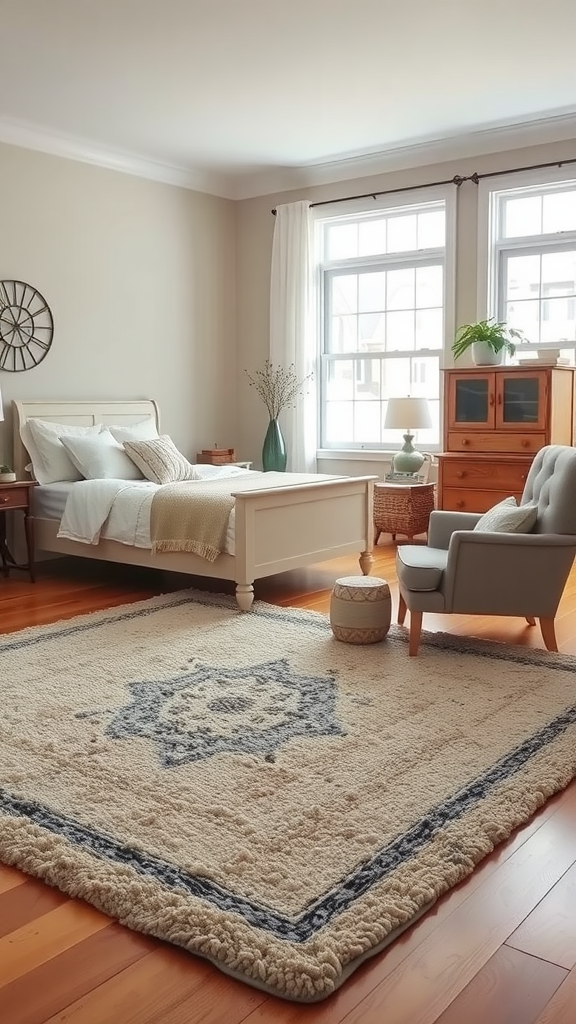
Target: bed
column 276, row 529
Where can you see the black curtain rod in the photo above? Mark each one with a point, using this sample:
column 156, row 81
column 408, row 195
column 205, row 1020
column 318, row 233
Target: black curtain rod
column 456, row 180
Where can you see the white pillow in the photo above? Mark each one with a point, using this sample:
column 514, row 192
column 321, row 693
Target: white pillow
column 144, row 430
column 50, row 460
column 100, row 457
column 160, row 460
column 508, row 517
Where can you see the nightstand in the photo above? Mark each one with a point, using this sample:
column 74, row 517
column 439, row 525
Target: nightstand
column 15, row 497
column 402, row 508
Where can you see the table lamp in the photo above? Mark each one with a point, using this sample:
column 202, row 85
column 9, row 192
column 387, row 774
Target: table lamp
column 407, row 414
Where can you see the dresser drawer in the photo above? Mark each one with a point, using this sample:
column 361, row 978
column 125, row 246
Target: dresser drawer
column 484, row 475
column 462, row 500
column 495, row 441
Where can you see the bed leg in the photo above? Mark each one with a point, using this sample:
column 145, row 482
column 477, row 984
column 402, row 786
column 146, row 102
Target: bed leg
column 244, row 596
column 366, row 562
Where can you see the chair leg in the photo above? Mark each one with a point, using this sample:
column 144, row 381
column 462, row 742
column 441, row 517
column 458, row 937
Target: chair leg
column 548, row 634
column 415, row 630
column 401, row 610
column 530, row 620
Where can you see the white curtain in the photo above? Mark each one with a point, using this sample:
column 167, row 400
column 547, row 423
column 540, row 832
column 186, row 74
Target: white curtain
column 292, row 340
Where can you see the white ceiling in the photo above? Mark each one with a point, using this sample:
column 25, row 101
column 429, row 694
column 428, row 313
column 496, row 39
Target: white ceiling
column 243, row 97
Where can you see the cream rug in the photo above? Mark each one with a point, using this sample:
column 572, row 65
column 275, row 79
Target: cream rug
column 248, row 787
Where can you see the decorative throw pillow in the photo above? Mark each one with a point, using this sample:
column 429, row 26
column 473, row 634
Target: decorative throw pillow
column 100, row 457
column 508, row 517
column 160, row 460
column 144, row 430
column 50, row 460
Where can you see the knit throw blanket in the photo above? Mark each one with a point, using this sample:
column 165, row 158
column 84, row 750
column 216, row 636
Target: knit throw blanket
column 193, row 515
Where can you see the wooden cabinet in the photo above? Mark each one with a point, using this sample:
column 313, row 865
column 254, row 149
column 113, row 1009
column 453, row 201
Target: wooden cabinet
column 495, row 420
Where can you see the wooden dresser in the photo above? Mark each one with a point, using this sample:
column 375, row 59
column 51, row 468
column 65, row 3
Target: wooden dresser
column 495, row 420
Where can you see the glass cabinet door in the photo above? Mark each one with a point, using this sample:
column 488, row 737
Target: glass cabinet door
column 471, row 400
column 520, row 400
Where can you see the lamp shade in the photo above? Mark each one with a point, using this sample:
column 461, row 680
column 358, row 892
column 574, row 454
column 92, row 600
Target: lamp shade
column 407, row 414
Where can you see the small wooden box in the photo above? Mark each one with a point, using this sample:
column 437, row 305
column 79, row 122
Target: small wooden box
column 216, row 456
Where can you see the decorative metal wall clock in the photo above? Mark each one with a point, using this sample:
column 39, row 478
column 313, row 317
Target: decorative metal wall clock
column 26, row 326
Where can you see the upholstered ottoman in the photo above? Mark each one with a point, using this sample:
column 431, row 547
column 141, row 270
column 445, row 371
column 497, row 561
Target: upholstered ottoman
column 360, row 609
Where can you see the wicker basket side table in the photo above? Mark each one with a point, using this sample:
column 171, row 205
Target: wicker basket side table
column 402, row 508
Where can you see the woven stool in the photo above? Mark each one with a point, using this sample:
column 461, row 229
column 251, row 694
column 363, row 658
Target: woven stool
column 360, row 609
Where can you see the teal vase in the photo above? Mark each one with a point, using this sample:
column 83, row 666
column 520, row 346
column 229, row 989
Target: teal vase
column 274, row 449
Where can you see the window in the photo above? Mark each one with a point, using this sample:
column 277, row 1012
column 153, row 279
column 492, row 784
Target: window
column 532, row 260
column 382, row 287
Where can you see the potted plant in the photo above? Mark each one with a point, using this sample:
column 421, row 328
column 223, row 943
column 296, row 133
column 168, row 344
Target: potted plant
column 7, row 476
column 488, row 340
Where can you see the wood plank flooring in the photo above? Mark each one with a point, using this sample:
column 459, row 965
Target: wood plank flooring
column 499, row 948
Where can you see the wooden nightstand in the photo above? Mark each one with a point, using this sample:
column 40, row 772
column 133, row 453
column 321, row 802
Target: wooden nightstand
column 402, row 508
column 16, row 497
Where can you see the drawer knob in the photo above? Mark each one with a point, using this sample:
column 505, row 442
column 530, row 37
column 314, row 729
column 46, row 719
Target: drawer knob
column 461, row 474
column 4, row 501
column 525, row 443
column 465, row 441
column 460, row 504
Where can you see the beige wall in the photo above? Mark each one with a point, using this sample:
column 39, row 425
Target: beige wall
column 140, row 278
column 255, row 225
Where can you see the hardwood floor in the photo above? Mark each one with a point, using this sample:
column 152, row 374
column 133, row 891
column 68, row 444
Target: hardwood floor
column 500, row 947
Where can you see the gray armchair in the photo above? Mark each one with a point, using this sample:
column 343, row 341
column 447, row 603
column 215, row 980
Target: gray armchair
column 469, row 572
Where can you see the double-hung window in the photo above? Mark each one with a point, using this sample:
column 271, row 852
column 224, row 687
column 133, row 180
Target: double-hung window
column 531, row 260
column 384, row 278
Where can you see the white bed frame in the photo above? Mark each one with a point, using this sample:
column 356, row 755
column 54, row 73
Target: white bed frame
column 275, row 529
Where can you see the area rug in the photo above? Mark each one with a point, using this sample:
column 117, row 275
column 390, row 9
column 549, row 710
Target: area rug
column 250, row 788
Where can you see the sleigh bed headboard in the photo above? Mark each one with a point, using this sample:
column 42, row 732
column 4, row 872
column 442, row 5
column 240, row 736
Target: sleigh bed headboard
column 83, row 413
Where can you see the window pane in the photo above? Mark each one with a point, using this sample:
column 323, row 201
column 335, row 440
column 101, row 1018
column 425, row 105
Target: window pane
column 341, row 241
column 431, row 230
column 558, row 321
column 524, row 316
column 367, row 423
column 400, row 289
column 558, row 273
column 523, row 277
column 429, row 286
column 338, row 422
column 429, row 328
column 343, row 334
column 559, row 212
column 522, row 217
column 396, row 377
column 371, row 292
column 372, row 237
column 367, row 386
column 344, row 293
column 402, row 233
column 372, row 332
column 400, row 331
column 340, row 380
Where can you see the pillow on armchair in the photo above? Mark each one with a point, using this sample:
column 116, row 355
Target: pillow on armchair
column 508, row 517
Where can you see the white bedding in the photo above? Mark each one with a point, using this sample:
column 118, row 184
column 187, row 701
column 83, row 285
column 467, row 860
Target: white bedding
column 120, row 509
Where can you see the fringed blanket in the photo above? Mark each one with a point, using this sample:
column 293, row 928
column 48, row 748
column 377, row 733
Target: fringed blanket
column 193, row 515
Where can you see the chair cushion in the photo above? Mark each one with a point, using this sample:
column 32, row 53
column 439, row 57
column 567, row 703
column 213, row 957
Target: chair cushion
column 420, row 567
column 508, row 517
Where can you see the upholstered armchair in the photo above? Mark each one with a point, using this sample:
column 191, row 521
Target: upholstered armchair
column 487, row 572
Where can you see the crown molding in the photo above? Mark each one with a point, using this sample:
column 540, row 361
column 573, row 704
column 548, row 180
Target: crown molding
column 493, row 138
column 557, row 126
column 33, row 137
